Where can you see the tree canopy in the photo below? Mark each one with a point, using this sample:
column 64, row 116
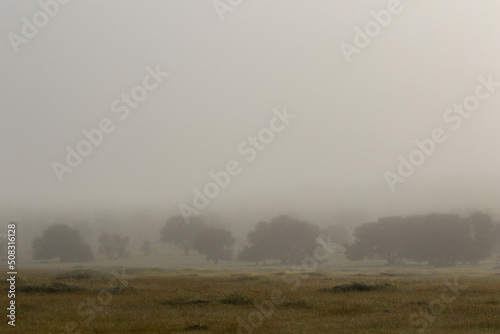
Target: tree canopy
column 439, row 239
column 61, row 241
column 181, row 232
column 286, row 239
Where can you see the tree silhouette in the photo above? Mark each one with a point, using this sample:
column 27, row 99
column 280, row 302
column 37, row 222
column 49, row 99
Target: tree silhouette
column 286, row 239
column 382, row 239
column 63, row 242
column 180, row 232
column 440, row 239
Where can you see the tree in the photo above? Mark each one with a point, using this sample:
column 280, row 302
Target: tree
column 180, row 232
column 286, row 239
column 61, row 241
column 383, row 239
column 440, row 239
column 215, row 243
column 114, row 246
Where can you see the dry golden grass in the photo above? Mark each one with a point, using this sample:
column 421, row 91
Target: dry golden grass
column 218, row 302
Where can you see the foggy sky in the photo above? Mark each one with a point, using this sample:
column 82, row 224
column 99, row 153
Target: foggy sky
column 225, row 78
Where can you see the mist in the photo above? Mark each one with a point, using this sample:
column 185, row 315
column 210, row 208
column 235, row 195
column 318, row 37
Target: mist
column 160, row 95
column 236, row 166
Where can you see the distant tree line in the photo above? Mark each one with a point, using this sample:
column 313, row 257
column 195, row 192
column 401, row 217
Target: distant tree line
column 439, row 239
column 285, row 239
column 66, row 243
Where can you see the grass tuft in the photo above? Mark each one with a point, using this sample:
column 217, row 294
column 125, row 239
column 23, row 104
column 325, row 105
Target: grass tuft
column 196, row 328
column 296, row 304
column 180, row 302
column 492, row 301
column 55, row 287
column 357, row 287
column 81, row 274
column 237, row 299
column 245, row 278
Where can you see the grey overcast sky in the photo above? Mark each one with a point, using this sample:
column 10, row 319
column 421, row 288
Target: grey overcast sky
column 353, row 120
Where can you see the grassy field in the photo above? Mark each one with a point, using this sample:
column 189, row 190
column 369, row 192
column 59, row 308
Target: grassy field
column 249, row 300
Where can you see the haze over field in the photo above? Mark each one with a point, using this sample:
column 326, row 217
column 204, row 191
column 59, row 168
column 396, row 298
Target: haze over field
column 352, row 120
column 237, row 166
